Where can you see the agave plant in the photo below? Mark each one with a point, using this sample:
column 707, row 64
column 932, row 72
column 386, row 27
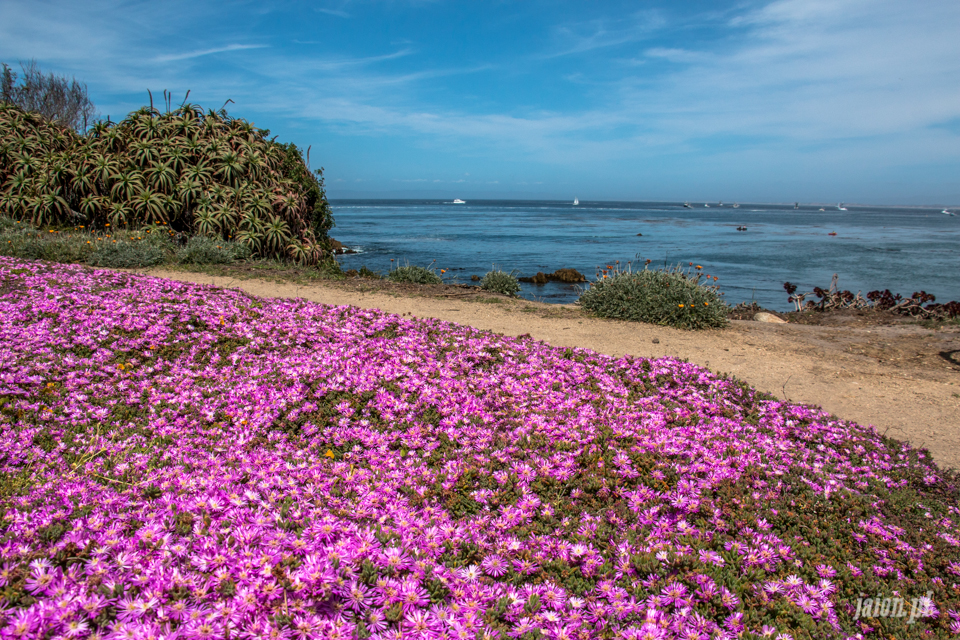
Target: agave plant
column 150, row 207
column 250, row 238
column 120, row 214
column 206, row 222
column 127, row 185
column 90, row 206
column 161, row 177
column 277, row 235
column 48, row 207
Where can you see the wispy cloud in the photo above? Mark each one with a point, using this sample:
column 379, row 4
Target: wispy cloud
column 333, row 12
column 602, row 34
column 206, row 52
column 685, row 56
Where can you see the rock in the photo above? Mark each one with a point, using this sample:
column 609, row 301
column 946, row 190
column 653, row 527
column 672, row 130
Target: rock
column 656, row 341
column 567, row 275
column 768, row 317
column 639, row 234
column 475, row 278
column 337, row 247
column 560, row 275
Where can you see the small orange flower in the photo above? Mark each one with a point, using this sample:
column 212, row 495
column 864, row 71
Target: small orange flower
column 443, row 270
column 699, row 267
column 329, row 453
column 681, row 306
column 691, row 264
column 706, row 304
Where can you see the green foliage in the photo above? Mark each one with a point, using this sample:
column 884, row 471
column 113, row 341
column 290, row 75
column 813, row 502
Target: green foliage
column 671, row 297
column 500, row 281
column 415, row 275
column 27, row 243
column 369, row 273
column 125, row 255
column 196, row 173
column 203, row 250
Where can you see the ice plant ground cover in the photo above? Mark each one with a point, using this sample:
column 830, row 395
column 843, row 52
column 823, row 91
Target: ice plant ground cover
column 187, row 461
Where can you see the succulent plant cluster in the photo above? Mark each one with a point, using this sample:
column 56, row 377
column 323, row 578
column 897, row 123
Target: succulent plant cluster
column 181, row 461
column 201, row 173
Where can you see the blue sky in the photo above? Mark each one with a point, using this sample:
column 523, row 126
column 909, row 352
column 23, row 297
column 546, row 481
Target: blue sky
column 811, row 100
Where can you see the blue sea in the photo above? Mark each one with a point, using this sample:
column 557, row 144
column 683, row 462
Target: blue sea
column 901, row 249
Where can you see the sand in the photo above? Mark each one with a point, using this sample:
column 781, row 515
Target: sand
column 898, row 378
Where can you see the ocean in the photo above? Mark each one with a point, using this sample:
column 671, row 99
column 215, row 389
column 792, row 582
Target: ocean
column 901, row 249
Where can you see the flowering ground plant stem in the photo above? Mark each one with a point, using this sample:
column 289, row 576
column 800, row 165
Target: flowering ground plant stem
column 187, row 461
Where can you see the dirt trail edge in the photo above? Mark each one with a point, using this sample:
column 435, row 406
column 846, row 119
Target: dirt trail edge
column 895, row 378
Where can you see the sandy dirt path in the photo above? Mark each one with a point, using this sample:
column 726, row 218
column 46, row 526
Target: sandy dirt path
column 895, row 378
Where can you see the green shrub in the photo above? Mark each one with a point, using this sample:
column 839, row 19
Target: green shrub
column 203, row 250
column 414, row 274
column 28, row 244
column 367, row 273
column 671, row 297
column 126, row 255
column 500, row 281
column 330, row 268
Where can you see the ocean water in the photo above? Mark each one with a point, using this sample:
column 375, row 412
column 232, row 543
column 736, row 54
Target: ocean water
column 901, row 249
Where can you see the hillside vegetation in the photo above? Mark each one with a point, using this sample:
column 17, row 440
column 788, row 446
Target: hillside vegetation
column 187, row 461
column 200, row 173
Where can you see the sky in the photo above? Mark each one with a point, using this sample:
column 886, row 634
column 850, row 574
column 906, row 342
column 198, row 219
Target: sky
column 792, row 100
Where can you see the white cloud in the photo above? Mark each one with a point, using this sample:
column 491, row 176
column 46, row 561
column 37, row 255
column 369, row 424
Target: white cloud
column 333, row 12
column 576, row 38
column 206, row 52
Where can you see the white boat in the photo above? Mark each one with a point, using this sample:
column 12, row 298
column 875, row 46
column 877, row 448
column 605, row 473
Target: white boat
column 721, row 204
column 576, row 201
column 736, row 205
column 796, row 205
column 686, row 205
column 459, row 201
column 947, row 212
column 840, row 207
column 706, row 205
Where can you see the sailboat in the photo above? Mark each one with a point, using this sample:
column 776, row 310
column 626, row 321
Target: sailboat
column 840, row 207
column 576, row 201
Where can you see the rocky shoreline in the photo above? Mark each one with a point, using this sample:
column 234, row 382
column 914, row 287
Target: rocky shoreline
column 569, row 276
